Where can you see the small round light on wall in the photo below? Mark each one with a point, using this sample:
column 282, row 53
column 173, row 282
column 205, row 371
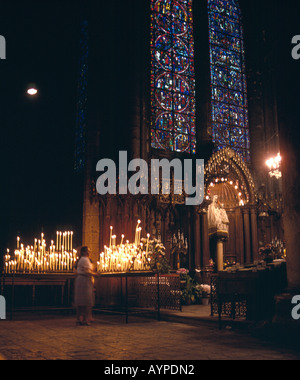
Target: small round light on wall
column 32, row 91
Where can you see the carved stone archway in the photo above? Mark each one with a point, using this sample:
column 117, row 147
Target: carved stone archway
column 227, row 166
column 228, row 176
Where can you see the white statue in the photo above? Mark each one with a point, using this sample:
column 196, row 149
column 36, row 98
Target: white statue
column 217, row 218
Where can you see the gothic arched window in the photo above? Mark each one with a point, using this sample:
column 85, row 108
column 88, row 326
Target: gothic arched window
column 230, row 125
column 172, row 77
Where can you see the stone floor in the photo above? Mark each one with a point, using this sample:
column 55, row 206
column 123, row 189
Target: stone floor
column 55, row 337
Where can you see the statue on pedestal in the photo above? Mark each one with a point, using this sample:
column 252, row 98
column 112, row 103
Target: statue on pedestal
column 218, row 227
column 218, row 222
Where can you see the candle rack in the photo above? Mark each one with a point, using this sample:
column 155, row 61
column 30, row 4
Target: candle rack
column 125, row 257
column 37, row 258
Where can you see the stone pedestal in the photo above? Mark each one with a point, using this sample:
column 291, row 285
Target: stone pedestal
column 220, row 255
column 219, row 237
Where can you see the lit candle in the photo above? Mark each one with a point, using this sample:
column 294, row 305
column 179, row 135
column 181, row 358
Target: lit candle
column 111, row 228
column 68, row 241
column 148, row 236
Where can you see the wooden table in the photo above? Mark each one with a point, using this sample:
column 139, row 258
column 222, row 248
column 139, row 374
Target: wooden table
column 9, row 283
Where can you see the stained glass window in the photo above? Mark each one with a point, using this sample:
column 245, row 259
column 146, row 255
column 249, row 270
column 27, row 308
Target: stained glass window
column 172, row 77
column 80, row 132
column 230, row 126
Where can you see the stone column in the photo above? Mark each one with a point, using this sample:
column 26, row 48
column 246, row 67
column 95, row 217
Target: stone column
column 247, row 238
column 91, row 226
column 197, row 242
column 204, row 238
column 220, row 254
column 254, row 233
column 239, row 236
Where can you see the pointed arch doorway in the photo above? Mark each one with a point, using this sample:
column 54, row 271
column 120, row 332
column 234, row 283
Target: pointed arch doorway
column 228, row 177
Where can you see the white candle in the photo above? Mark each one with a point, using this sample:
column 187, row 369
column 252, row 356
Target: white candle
column 148, row 236
column 111, row 228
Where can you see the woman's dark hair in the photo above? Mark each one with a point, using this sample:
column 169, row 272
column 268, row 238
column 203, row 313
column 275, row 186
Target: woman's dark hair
column 84, row 251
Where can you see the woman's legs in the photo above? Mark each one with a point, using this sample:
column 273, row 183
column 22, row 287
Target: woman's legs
column 85, row 315
column 79, row 314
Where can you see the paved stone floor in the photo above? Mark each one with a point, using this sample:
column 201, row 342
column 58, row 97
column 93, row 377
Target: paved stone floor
column 109, row 338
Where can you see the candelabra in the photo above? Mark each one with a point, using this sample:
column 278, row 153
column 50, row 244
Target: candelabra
column 178, row 241
column 274, row 165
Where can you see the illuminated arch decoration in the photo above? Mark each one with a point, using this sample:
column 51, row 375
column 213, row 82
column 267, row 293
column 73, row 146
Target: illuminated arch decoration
column 230, row 124
column 172, row 76
column 228, row 168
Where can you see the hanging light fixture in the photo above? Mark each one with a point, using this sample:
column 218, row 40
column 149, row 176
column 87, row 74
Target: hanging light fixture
column 274, row 165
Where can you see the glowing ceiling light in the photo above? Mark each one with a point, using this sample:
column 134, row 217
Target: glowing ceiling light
column 32, row 91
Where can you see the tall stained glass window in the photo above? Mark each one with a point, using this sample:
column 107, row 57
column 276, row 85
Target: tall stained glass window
column 80, row 131
column 172, row 79
column 230, row 126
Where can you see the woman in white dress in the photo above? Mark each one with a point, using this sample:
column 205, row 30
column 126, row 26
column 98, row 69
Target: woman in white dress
column 84, row 288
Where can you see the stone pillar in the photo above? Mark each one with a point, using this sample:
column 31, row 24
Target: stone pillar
column 239, row 236
column 91, row 226
column 288, row 86
column 246, row 218
column 197, row 242
column 220, row 254
column 204, row 239
column 254, row 233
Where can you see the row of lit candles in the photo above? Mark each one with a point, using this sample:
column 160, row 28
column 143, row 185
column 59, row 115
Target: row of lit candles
column 64, row 242
column 62, row 257
column 36, row 258
column 125, row 256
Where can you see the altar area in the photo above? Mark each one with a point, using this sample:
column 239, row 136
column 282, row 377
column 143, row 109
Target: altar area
column 127, row 275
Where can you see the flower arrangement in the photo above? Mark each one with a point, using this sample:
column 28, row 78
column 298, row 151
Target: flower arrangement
column 157, row 256
column 266, row 251
column 205, row 290
column 183, row 272
column 192, row 292
column 273, row 250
